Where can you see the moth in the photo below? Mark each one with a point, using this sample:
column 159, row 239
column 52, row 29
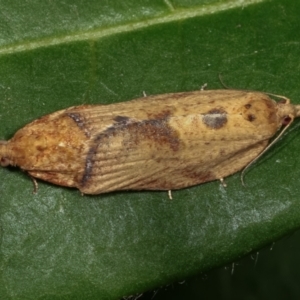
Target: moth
column 162, row 142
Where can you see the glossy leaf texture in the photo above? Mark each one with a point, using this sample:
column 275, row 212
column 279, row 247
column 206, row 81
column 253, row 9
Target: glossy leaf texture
column 58, row 244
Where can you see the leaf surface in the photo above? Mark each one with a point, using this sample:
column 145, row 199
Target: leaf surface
column 58, row 244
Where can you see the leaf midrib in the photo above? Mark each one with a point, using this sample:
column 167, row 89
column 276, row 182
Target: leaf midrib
column 95, row 34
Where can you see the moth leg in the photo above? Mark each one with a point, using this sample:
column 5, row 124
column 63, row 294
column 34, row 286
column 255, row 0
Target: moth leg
column 35, row 184
column 203, row 87
column 170, row 194
column 223, row 182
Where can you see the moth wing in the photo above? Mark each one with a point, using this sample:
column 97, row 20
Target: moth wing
column 165, row 142
column 115, row 168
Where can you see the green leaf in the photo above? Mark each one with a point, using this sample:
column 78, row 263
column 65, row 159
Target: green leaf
column 58, row 244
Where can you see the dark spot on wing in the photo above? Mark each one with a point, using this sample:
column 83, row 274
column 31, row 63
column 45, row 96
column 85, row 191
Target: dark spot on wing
column 215, row 118
column 121, row 119
column 40, row 148
column 251, row 117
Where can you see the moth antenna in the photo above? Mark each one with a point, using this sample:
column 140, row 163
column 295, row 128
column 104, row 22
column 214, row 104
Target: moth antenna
column 222, row 82
column 288, row 101
column 267, row 148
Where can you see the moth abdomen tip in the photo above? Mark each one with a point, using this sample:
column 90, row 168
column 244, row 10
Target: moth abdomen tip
column 4, row 161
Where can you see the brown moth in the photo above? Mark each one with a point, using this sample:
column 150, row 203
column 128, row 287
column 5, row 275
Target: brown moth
column 162, row 142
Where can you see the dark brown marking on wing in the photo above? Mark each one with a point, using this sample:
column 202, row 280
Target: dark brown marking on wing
column 157, row 131
column 198, row 176
column 215, row 118
column 80, row 122
column 121, row 119
column 88, row 165
column 163, row 115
